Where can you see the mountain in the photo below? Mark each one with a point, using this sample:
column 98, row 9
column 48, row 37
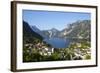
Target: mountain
column 51, row 33
column 29, row 35
column 35, row 29
column 79, row 29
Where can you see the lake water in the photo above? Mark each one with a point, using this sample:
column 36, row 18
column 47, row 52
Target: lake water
column 58, row 42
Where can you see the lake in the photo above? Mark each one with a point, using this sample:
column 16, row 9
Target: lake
column 58, row 42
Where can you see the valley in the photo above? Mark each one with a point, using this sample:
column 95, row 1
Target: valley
column 71, row 43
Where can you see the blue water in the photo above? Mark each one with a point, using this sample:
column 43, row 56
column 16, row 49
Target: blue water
column 58, row 42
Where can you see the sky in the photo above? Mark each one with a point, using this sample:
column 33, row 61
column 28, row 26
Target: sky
column 46, row 20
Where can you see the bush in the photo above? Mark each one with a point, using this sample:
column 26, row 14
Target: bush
column 88, row 56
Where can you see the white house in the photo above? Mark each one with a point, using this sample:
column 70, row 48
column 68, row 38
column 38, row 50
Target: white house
column 47, row 51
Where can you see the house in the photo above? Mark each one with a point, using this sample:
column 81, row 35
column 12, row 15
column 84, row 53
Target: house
column 47, row 51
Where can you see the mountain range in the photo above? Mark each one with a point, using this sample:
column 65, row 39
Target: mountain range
column 78, row 29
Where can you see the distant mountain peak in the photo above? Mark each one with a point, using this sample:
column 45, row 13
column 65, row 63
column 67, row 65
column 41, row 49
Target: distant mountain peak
column 54, row 30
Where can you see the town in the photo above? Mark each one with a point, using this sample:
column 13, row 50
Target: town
column 44, row 52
